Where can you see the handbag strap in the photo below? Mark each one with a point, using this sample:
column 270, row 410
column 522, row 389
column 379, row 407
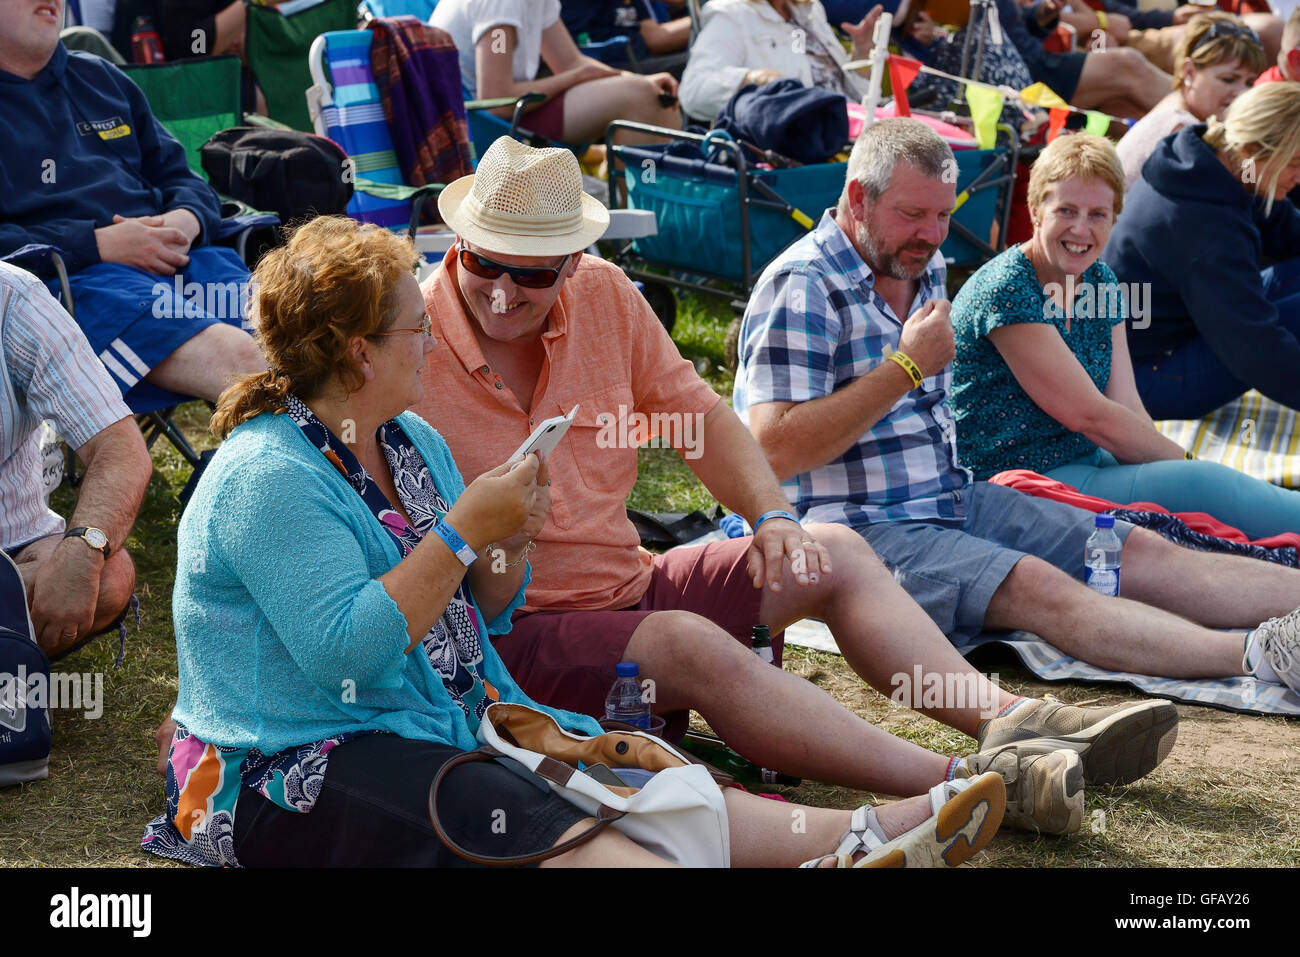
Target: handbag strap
column 550, row 769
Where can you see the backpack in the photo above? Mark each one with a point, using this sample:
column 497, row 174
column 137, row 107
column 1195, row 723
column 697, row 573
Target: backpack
column 24, row 672
column 294, row 175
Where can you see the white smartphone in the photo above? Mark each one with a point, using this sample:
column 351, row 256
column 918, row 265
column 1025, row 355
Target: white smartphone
column 546, row 436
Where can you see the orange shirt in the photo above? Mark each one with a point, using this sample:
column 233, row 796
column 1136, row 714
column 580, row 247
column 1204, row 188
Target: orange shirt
column 607, row 353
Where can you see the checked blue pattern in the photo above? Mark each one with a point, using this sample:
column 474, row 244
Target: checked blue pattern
column 814, row 324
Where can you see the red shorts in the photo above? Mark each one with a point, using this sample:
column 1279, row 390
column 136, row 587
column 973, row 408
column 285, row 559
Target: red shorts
column 547, row 120
column 566, row 659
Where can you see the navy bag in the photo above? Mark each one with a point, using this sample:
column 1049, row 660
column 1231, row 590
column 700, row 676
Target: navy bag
column 24, row 729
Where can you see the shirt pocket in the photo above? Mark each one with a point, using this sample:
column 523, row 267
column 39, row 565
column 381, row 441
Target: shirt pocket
column 600, row 447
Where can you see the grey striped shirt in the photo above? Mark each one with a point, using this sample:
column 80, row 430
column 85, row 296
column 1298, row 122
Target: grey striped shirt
column 49, row 372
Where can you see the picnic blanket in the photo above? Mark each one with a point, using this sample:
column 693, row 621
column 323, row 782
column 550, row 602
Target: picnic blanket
column 1242, row 695
column 1252, row 434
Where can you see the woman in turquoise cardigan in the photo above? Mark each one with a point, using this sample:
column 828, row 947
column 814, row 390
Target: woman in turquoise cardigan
column 1042, row 378
column 336, row 589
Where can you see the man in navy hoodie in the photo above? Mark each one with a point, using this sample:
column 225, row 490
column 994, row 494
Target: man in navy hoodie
column 1220, row 322
column 89, row 170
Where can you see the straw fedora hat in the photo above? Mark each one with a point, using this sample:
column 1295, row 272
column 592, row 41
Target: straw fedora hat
column 524, row 202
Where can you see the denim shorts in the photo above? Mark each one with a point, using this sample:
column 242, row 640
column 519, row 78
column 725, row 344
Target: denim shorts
column 953, row 572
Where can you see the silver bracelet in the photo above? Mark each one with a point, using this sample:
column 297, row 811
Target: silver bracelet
column 528, row 549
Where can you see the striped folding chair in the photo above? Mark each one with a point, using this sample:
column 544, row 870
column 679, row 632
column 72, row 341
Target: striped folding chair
column 345, row 106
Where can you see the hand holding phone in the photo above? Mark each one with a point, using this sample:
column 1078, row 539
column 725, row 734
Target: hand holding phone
column 546, row 436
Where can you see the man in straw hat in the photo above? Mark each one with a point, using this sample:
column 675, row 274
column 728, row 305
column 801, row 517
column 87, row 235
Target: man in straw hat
column 531, row 327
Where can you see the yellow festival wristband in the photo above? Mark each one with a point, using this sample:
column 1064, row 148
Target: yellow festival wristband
column 910, row 367
column 1103, row 21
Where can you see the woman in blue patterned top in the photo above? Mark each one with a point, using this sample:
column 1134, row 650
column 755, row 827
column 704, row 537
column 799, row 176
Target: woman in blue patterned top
column 337, row 587
column 1042, row 378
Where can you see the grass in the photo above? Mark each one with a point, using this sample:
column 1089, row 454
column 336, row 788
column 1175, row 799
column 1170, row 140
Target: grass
column 1228, row 796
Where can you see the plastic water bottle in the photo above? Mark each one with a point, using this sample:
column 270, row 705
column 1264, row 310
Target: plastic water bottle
column 1101, row 558
column 624, row 701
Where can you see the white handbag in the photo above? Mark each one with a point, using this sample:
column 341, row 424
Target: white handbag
column 677, row 812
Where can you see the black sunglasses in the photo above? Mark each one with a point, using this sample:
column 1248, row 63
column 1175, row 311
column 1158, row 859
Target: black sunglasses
column 1224, row 28
column 529, row 277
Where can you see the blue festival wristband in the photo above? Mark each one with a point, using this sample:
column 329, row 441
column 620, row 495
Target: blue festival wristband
column 775, row 513
column 457, row 544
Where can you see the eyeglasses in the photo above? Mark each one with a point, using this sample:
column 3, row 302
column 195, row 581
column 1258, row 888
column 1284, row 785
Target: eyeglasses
column 1224, row 28
column 529, row 277
column 425, row 327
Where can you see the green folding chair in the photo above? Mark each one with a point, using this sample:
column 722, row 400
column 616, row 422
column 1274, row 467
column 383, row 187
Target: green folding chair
column 193, row 98
column 276, row 48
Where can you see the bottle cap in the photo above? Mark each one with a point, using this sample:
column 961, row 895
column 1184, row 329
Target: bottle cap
column 1105, row 521
column 626, row 669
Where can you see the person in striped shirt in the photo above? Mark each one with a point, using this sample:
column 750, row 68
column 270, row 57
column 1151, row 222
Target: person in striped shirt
column 79, row 580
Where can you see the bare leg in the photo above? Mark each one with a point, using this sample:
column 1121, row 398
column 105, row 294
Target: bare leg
column 762, row 833
column 769, row 715
column 609, row 848
column 882, row 633
column 204, row 366
column 589, row 108
column 1219, row 591
column 1121, row 72
column 1116, row 633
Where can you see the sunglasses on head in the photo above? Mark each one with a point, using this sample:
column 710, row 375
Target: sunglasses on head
column 528, row 277
column 1224, row 28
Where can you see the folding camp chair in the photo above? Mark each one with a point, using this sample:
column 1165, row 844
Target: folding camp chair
column 344, row 105
column 276, row 45
column 420, row 9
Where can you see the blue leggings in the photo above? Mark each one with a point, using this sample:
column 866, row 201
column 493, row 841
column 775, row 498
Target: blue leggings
column 1258, row 508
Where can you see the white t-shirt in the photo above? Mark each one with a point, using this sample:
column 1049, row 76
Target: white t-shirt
column 468, row 20
column 1136, row 146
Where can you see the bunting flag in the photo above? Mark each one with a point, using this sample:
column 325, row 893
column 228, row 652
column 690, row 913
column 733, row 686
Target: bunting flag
column 902, row 71
column 1040, row 94
column 1056, row 122
column 1097, row 123
column 1036, row 94
column 985, row 108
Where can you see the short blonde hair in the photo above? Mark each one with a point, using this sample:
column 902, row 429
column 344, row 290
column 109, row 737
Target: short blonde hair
column 1220, row 49
column 1262, row 128
column 1079, row 154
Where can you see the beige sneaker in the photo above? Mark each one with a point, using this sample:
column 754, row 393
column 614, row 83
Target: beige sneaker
column 1044, row 791
column 1117, row 745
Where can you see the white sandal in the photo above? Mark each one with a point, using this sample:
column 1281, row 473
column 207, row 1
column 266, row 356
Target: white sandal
column 966, row 813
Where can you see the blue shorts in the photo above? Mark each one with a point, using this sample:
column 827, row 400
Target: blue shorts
column 953, row 572
column 135, row 319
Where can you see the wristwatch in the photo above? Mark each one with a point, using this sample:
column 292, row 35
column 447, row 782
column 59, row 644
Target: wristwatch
column 93, row 537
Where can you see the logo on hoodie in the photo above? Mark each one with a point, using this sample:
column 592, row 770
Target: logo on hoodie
column 112, row 128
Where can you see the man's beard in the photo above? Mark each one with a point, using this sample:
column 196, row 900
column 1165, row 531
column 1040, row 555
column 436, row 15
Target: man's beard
column 887, row 262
